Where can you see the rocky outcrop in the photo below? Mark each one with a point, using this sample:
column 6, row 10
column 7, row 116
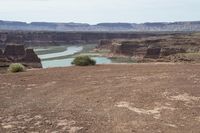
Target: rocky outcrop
column 105, row 44
column 30, row 56
column 171, row 51
column 3, row 38
column 127, row 48
column 143, row 51
column 1, row 53
column 15, row 53
column 152, row 53
column 159, row 48
column 30, row 38
column 140, row 52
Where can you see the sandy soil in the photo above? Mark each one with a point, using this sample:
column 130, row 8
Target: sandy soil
column 141, row 98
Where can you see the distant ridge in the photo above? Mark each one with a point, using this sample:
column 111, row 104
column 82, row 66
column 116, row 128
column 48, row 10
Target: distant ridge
column 48, row 26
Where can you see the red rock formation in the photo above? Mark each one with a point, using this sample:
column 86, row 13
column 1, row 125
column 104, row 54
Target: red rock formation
column 4, row 62
column 1, row 53
column 153, row 53
column 18, row 53
column 140, row 52
column 171, row 51
column 31, row 56
column 31, row 38
column 31, row 59
column 158, row 48
column 129, row 48
column 14, row 52
column 105, row 44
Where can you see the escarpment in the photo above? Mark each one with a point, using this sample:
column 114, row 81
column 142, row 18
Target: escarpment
column 1, row 53
column 31, row 56
column 153, row 53
column 105, row 44
column 165, row 48
column 40, row 38
column 15, row 53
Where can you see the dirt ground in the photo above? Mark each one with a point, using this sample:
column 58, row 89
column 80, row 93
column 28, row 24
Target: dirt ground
column 140, row 98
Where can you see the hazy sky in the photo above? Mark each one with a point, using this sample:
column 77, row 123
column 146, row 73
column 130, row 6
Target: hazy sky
column 95, row 11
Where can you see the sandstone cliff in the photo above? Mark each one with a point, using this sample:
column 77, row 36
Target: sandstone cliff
column 104, row 44
column 14, row 53
column 1, row 53
column 164, row 48
column 30, row 38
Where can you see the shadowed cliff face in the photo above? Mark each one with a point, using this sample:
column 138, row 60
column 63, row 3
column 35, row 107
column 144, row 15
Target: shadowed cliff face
column 18, row 53
column 1, row 53
column 152, row 53
column 31, row 57
column 163, row 48
column 104, row 44
column 14, row 52
column 58, row 38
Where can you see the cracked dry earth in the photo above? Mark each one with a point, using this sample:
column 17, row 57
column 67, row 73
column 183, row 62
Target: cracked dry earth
column 140, row 98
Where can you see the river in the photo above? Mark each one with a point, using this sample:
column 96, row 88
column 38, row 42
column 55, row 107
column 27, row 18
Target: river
column 61, row 56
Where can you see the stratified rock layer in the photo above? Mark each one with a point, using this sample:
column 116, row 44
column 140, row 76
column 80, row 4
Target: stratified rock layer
column 106, row 43
column 17, row 53
column 14, row 52
column 42, row 38
column 31, row 56
column 165, row 48
column 1, row 53
column 153, row 53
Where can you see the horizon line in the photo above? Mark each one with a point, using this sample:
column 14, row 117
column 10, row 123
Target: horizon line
column 99, row 22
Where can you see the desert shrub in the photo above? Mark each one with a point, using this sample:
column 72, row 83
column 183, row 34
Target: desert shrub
column 16, row 67
column 83, row 61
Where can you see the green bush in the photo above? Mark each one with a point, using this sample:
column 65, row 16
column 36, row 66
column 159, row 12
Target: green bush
column 83, row 61
column 16, row 67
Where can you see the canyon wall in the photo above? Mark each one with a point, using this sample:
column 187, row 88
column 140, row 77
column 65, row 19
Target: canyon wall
column 15, row 53
column 30, row 38
column 163, row 48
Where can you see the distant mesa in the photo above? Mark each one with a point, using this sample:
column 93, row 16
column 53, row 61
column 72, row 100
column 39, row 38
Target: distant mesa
column 115, row 25
column 153, row 26
column 17, row 53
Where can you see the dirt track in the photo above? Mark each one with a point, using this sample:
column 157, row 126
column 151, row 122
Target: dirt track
column 142, row 98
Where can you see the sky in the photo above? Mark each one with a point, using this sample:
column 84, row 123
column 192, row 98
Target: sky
column 98, row 11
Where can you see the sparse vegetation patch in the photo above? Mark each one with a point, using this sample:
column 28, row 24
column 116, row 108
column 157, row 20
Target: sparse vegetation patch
column 16, row 67
column 83, row 61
